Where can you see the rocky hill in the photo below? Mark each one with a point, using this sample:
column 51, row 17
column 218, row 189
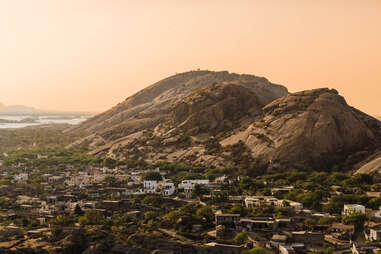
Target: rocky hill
column 223, row 119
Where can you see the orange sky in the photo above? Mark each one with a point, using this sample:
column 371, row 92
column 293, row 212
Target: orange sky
column 92, row 54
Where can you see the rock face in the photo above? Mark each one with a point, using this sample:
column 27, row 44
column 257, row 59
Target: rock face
column 373, row 166
column 315, row 128
column 197, row 117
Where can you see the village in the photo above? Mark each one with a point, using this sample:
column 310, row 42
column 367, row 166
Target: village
column 224, row 221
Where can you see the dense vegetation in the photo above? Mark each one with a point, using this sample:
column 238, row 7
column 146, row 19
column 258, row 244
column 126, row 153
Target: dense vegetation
column 34, row 138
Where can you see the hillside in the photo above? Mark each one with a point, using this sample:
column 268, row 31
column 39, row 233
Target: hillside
column 225, row 119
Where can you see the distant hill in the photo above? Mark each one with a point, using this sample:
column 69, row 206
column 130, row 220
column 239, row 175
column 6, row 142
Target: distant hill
column 25, row 110
column 225, row 119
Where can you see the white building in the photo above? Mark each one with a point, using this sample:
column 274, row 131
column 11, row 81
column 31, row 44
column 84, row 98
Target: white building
column 374, row 235
column 221, row 179
column 168, row 188
column 378, row 213
column 189, row 184
column 136, row 176
column 21, row 178
column 54, row 179
column 353, row 208
column 294, row 205
column 150, row 186
column 252, row 201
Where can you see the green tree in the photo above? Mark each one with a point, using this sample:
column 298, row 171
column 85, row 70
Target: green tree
column 356, row 219
column 150, row 215
column 172, row 216
column 92, row 217
column 77, row 210
column 110, row 179
column 240, row 238
column 62, row 220
column 237, row 209
column 152, row 225
column 257, row 250
column 152, row 176
column 309, row 222
column 198, row 190
column 206, row 213
column 109, row 163
column 151, row 200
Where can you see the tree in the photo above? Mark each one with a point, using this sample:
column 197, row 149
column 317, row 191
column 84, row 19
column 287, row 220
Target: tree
column 92, row 217
column 238, row 209
column 151, row 200
column 257, row 250
column 152, row 176
column 206, row 213
column 172, row 216
column 329, row 250
column 77, row 210
column 109, row 163
column 356, row 219
column 199, row 191
column 110, row 179
column 246, row 184
column 63, row 221
column 240, row 238
column 152, row 225
column 374, row 203
column 309, row 222
column 150, row 215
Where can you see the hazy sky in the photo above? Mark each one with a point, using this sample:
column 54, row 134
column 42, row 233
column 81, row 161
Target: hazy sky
column 92, row 54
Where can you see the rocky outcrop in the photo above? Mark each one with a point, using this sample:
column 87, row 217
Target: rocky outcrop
column 203, row 117
column 216, row 109
column 164, row 104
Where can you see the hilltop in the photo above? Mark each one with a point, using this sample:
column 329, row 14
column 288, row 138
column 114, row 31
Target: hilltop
column 224, row 119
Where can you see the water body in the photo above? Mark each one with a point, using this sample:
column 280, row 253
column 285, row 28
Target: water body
column 39, row 120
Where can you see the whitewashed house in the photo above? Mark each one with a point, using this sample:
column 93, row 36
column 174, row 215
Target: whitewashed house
column 21, row 178
column 378, row 213
column 294, row 205
column 150, row 186
column 374, row 235
column 54, row 179
column 168, row 188
column 189, row 184
column 251, row 201
column 136, row 176
column 353, row 208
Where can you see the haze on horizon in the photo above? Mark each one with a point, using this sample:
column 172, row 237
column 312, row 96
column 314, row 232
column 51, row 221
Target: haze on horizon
column 89, row 55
